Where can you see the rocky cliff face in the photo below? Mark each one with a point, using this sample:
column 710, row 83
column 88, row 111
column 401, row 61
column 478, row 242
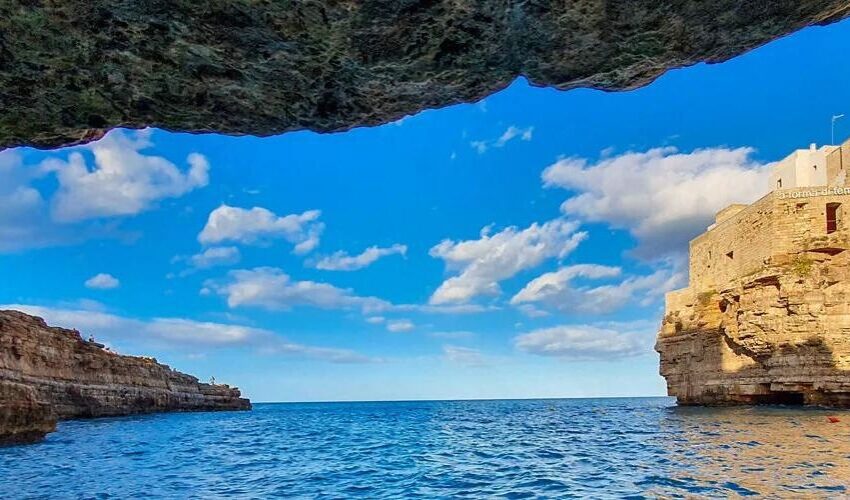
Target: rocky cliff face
column 72, row 69
column 48, row 374
column 779, row 335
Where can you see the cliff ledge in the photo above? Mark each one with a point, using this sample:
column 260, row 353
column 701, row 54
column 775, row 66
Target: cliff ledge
column 766, row 316
column 49, row 374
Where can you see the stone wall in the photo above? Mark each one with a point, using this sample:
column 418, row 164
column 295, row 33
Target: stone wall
column 771, row 322
column 734, row 247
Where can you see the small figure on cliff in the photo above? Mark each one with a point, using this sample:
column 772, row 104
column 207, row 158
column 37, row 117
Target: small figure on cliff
column 91, row 338
column 212, row 380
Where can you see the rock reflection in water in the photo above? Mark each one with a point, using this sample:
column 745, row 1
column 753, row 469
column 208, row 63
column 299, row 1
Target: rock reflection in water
column 783, row 451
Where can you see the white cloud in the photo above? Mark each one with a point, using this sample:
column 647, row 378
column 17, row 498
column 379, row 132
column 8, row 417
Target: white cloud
column 24, row 213
column 122, row 180
column 479, row 146
column 210, row 257
column 555, row 282
column 663, row 197
column 532, row 311
column 464, row 356
column 259, row 225
column 215, row 256
column 400, row 325
column 511, row 133
column 271, row 288
column 400, row 121
column 588, row 342
column 456, row 334
column 375, row 320
column 102, row 281
column 179, row 333
column 556, row 289
column 446, row 308
column 482, row 263
column 341, row 261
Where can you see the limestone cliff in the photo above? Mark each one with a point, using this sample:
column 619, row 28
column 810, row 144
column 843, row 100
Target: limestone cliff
column 48, row 374
column 72, row 69
column 779, row 335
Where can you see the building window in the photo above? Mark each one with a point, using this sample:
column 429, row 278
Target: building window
column 833, row 212
column 778, row 183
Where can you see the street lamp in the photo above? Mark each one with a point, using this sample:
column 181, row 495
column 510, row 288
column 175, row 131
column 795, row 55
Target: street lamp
column 834, row 119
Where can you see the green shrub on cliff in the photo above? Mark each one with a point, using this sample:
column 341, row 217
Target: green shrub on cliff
column 801, row 266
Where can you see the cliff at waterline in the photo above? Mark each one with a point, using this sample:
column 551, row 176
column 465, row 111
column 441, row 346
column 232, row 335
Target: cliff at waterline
column 766, row 318
column 49, row 374
column 778, row 337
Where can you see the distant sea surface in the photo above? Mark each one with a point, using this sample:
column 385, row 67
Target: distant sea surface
column 595, row 448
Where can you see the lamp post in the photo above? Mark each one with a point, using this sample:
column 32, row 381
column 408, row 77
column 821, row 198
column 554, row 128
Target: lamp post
column 834, row 119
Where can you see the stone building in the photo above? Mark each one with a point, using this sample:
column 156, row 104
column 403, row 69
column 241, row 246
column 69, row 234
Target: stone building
column 766, row 314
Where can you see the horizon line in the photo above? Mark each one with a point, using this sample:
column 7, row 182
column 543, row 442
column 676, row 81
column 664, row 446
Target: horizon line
column 428, row 400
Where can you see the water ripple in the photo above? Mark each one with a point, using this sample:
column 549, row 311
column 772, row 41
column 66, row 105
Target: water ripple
column 601, row 448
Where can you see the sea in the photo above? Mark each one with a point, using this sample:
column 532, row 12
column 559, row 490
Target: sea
column 562, row 448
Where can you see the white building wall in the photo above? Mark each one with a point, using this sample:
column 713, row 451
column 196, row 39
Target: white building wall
column 802, row 168
column 784, row 173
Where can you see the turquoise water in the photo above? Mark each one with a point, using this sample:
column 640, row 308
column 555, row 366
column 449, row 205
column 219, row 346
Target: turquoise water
column 516, row 449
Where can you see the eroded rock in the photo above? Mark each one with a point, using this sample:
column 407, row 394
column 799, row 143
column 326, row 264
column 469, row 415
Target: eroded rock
column 49, row 374
column 766, row 315
column 72, row 69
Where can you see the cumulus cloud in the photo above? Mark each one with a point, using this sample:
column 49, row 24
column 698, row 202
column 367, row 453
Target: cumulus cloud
column 209, row 258
column 259, row 225
column 465, row 356
column 23, row 211
column 25, row 220
column 556, row 289
column 532, row 311
column 180, row 333
column 102, row 281
column 663, row 197
column 481, row 264
column 122, row 180
column 341, row 261
column 271, row 288
column 446, row 308
column 511, row 133
column 215, row 256
column 400, row 325
column 555, row 282
column 588, row 342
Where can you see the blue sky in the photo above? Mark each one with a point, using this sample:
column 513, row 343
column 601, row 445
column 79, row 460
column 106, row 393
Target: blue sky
column 520, row 246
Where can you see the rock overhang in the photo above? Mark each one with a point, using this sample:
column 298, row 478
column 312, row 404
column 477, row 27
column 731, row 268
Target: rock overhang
column 70, row 70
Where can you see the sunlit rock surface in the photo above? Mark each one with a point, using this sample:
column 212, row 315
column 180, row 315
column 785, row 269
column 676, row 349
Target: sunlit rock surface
column 48, row 374
column 72, row 69
column 766, row 316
